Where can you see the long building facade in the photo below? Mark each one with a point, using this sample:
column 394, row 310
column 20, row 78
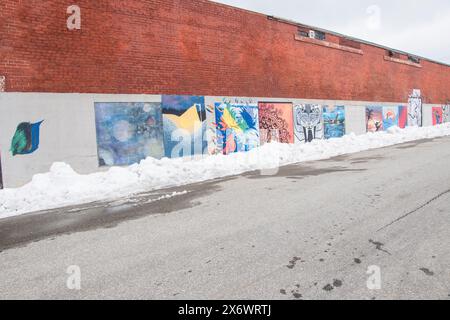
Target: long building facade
column 107, row 83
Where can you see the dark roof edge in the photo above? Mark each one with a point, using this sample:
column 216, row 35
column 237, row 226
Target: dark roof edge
column 275, row 18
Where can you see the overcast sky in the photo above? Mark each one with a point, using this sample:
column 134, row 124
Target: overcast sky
column 420, row 27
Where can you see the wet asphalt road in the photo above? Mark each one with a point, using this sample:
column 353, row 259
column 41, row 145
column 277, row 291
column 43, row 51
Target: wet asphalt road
column 311, row 231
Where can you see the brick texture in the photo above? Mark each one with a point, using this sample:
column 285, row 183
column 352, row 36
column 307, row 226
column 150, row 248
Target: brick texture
column 192, row 47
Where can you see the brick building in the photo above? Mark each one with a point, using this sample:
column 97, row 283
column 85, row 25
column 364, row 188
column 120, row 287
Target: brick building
column 55, row 68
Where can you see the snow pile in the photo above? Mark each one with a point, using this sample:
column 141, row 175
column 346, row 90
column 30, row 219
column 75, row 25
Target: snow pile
column 62, row 186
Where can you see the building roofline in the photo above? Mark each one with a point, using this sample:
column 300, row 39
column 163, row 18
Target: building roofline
column 292, row 22
column 295, row 23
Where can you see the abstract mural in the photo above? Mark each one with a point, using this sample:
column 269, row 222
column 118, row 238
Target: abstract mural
column 26, row 138
column 334, row 121
column 374, row 119
column 437, row 116
column 402, row 116
column 390, row 117
column 128, row 132
column 184, row 122
column 415, row 109
column 237, row 127
column 275, row 122
column 308, row 123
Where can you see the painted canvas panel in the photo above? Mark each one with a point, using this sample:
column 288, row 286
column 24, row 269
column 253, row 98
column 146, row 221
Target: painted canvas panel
column 415, row 109
column 237, row 127
column 402, row 116
column 184, row 122
column 276, row 122
column 374, row 119
column 308, row 122
column 437, row 116
column 390, row 117
column 446, row 113
column 334, row 121
column 128, row 132
column 211, row 134
column 26, row 138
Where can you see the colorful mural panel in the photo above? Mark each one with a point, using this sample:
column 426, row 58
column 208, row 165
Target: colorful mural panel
column 184, row 122
column 275, row 122
column 237, row 127
column 26, row 138
column 402, row 116
column 308, row 122
column 128, row 132
column 390, row 117
column 374, row 119
column 334, row 121
column 437, row 116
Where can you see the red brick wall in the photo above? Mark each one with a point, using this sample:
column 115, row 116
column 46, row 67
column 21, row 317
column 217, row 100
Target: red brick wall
column 191, row 47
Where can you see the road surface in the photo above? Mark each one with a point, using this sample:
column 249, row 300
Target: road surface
column 312, row 231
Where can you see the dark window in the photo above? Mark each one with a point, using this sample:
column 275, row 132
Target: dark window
column 393, row 54
column 414, row 59
column 303, row 32
column 319, row 35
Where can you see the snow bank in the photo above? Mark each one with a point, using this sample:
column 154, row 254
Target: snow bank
column 62, row 186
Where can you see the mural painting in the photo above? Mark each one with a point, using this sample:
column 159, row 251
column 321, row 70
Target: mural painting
column 26, row 138
column 308, row 123
column 374, row 119
column 128, row 132
column 446, row 113
column 211, row 134
column 437, row 116
column 334, row 121
column 415, row 109
column 275, row 122
column 237, row 127
column 184, row 123
column 402, row 116
column 390, row 117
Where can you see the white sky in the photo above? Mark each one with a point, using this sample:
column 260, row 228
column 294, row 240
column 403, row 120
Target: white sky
column 420, row 27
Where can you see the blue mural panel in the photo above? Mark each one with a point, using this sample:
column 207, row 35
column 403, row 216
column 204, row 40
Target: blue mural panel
column 390, row 117
column 334, row 121
column 128, row 132
column 184, row 119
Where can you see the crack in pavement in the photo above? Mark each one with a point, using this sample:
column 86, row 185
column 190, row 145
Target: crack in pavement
column 415, row 210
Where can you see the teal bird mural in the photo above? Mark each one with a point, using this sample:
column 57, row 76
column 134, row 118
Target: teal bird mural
column 26, row 138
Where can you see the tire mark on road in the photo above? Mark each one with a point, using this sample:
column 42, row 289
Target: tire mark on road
column 415, row 210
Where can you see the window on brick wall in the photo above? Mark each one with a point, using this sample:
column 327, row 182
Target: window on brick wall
column 414, row 59
column 393, row 54
column 303, row 32
column 311, row 33
column 319, row 35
